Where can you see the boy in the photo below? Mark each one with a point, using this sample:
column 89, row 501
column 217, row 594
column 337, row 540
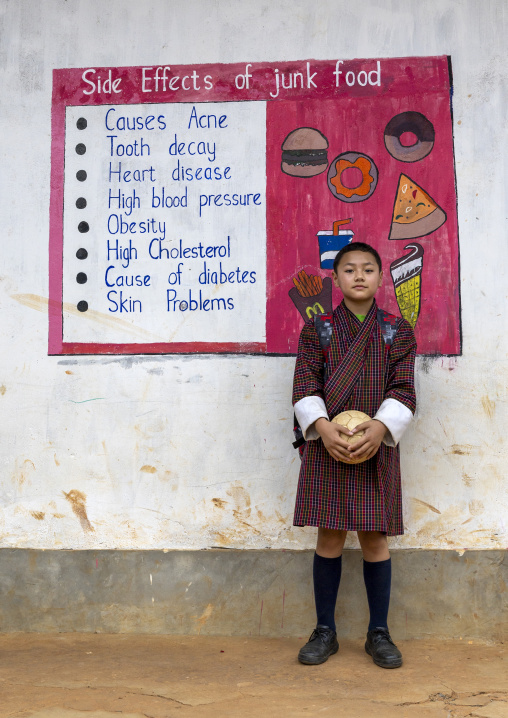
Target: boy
column 367, row 374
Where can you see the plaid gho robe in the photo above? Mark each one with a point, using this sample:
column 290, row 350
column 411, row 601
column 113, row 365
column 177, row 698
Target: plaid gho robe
column 353, row 497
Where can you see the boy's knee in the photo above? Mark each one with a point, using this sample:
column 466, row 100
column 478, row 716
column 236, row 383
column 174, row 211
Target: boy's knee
column 374, row 545
column 330, row 542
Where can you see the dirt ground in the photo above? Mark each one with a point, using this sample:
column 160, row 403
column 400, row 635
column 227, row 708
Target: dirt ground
column 106, row 676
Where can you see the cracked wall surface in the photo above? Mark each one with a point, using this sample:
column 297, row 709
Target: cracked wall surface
column 192, row 452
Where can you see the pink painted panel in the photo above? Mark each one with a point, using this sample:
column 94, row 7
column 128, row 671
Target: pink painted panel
column 301, row 207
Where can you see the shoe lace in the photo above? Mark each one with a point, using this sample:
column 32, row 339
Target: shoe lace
column 319, row 632
column 381, row 635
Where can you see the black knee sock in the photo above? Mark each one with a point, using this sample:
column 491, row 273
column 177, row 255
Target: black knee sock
column 378, row 577
column 326, row 573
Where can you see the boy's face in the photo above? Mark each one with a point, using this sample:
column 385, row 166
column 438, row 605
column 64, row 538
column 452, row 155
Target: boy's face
column 358, row 276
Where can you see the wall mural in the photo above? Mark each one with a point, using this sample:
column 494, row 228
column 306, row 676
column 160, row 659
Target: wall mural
column 199, row 209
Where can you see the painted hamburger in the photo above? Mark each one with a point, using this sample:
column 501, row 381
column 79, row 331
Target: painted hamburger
column 304, row 153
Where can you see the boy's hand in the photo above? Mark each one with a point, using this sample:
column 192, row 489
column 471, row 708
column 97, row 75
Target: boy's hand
column 338, row 448
column 366, row 447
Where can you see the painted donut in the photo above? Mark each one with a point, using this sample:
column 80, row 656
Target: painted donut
column 352, row 160
column 420, row 126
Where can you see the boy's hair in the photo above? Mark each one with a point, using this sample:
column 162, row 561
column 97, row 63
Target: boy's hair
column 357, row 247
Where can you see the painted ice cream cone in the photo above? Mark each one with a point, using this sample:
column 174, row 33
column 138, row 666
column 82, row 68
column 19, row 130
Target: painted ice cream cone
column 406, row 275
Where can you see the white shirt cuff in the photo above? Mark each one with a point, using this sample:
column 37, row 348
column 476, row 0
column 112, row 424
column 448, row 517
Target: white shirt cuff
column 307, row 411
column 396, row 417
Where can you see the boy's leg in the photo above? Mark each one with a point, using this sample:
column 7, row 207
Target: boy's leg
column 327, row 570
column 377, row 573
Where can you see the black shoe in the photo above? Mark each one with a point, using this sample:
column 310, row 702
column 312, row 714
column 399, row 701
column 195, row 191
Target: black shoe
column 321, row 645
column 383, row 650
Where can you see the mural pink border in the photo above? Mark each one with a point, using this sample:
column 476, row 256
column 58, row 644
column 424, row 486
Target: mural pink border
column 349, row 102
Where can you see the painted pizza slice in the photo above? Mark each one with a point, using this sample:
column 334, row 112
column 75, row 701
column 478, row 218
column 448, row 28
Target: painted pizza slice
column 415, row 213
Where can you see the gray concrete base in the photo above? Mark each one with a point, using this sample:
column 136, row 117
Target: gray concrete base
column 436, row 594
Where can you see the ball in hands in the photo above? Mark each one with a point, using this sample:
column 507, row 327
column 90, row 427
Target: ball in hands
column 350, row 419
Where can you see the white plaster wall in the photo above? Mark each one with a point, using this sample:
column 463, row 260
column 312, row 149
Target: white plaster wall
column 189, row 452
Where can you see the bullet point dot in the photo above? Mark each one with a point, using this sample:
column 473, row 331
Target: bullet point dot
column 80, row 149
column 81, row 203
column 83, row 227
column 81, row 124
column 82, row 306
column 81, row 175
column 81, row 278
column 82, row 253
